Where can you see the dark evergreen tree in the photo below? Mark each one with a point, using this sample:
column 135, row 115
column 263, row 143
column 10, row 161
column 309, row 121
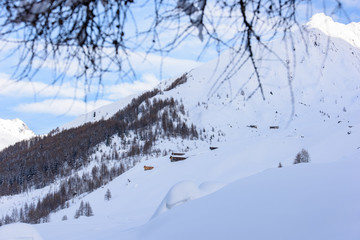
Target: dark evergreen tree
column 88, row 212
column 108, row 194
column 302, row 157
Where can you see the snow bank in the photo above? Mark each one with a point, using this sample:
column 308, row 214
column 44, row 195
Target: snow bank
column 183, row 192
column 304, row 201
column 19, row 231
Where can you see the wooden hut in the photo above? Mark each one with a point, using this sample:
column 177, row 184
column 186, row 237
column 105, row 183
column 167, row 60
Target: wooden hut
column 177, row 154
column 146, row 168
column 177, row 157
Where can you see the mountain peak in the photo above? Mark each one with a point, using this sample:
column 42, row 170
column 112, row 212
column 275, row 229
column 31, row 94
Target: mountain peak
column 319, row 19
column 12, row 131
column 348, row 32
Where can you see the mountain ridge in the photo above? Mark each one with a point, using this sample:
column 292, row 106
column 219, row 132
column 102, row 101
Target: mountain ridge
column 12, row 131
column 348, row 32
column 333, row 31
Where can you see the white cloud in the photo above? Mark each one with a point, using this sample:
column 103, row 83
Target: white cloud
column 9, row 87
column 142, row 63
column 171, row 66
column 126, row 89
column 70, row 107
column 8, row 45
column 60, row 65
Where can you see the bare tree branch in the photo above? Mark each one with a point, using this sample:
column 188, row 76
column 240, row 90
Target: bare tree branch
column 97, row 36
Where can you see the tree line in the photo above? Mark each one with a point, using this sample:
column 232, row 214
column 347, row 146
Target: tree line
column 75, row 185
column 38, row 162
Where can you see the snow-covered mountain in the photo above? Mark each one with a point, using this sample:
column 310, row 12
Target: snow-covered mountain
column 237, row 190
column 12, row 131
column 349, row 32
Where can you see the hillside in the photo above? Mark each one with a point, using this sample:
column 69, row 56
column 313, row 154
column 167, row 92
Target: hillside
column 237, row 190
column 12, row 131
column 306, row 201
column 131, row 133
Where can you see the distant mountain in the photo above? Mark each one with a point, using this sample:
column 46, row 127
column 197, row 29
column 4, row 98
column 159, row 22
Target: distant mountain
column 12, row 131
column 347, row 32
column 312, row 102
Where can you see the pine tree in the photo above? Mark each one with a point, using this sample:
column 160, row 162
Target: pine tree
column 79, row 212
column 108, row 195
column 21, row 215
column 302, row 157
column 84, row 210
column 88, row 210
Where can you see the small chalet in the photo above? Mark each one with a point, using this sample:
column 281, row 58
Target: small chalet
column 174, row 157
column 146, row 168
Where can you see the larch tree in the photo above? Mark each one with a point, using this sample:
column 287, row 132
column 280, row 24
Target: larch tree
column 108, row 194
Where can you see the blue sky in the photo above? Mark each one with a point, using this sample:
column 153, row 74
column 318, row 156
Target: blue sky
column 43, row 106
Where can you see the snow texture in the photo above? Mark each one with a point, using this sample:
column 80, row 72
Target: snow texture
column 185, row 191
column 19, row 231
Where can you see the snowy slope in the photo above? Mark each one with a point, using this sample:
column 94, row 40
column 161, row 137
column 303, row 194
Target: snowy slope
column 12, row 131
column 306, row 201
column 301, row 202
column 237, row 191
